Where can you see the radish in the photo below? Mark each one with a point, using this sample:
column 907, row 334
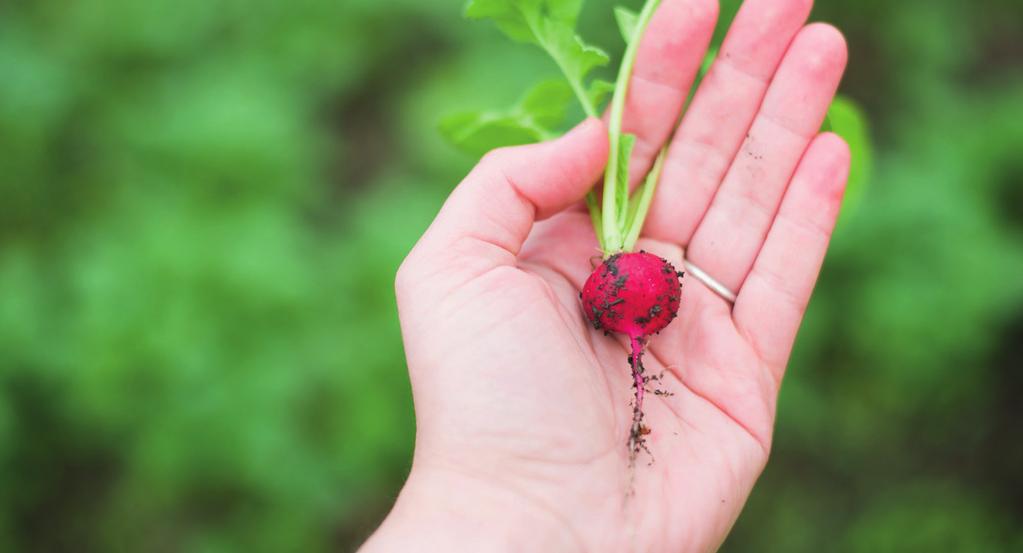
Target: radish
column 635, row 294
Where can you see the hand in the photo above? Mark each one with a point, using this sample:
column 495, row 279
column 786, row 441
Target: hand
column 523, row 411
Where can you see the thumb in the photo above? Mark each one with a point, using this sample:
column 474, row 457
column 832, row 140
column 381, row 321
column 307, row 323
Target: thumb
column 489, row 215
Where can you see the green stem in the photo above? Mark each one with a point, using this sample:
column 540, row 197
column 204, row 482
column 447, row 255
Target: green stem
column 584, row 99
column 577, row 86
column 613, row 239
column 645, row 193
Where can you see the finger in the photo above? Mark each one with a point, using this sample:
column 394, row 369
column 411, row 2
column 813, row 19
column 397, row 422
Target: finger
column 669, row 56
column 722, row 110
column 488, row 216
column 771, row 304
column 732, row 231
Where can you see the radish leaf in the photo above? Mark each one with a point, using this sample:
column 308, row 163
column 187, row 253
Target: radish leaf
column 614, row 214
column 599, row 90
column 476, row 133
column 549, row 24
column 547, row 103
column 627, row 20
column 534, row 118
column 845, row 118
column 519, row 18
column 625, row 145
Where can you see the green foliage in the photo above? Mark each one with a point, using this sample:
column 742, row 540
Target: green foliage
column 600, row 90
column 941, row 518
column 528, row 20
column 533, row 119
column 615, row 205
column 627, row 21
column 204, row 203
column 549, row 24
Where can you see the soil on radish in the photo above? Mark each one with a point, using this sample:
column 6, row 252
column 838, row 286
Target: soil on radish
column 635, row 294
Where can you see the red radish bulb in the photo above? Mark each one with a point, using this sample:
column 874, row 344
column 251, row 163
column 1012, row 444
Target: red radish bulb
column 635, row 294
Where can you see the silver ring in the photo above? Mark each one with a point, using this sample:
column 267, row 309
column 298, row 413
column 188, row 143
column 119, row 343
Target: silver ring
column 709, row 282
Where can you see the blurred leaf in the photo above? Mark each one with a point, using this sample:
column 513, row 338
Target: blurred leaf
column 533, row 119
column 547, row 103
column 549, row 24
column 599, row 91
column 478, row 133
column 627, row 20
column 522, row 19
column 847, row 119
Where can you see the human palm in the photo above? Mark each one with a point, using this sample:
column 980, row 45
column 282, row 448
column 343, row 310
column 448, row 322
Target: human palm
column 523, row 410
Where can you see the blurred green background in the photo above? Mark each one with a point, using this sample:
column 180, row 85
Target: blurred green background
column 204, row 203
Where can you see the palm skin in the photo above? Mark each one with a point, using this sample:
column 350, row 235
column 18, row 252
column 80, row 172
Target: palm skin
column 523, row 410
column 548, row 421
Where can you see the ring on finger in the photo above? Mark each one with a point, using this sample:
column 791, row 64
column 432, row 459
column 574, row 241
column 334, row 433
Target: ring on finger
column 709, row 281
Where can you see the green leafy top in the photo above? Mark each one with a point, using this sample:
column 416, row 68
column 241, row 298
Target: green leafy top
column 549, row 24
column 616, row 177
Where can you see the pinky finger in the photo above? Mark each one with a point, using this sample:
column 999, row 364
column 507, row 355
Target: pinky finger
column 773, row 299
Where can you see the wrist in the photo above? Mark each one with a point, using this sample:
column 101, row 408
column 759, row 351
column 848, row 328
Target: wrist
column 439, row 511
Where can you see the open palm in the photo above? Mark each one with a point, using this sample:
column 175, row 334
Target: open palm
column 523, row 410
